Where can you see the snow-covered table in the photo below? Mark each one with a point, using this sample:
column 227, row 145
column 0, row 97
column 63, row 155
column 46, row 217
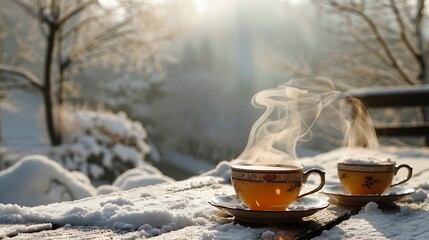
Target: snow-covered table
column 180, row 210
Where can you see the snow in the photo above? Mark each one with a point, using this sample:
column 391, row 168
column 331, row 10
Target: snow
column 126, row 153
column 371, row 207
column 406, row 210
column 23, row 229
column 372, row 223
column 100, row 144
column 366, row 159
column 409, row 223
column 142, row 176
column 223, row 170
column 36, row 180
column 183, row 210
column 106, row 189
column 132, row 202
column 425, row 185
column 39, row 180
column 146, row 213
column 419, row 195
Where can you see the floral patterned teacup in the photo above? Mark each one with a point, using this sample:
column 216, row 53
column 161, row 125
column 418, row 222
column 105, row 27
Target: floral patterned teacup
column 271, row 187
column 363, row 179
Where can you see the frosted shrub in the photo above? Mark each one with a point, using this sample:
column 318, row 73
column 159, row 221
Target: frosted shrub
column 101, row 144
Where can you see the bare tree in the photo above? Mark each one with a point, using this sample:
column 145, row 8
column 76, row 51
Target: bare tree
column 383, row 43
column 386, row 38
column 81, row 34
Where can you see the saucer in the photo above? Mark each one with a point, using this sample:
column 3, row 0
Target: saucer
column 302, row 207
column 340, row 195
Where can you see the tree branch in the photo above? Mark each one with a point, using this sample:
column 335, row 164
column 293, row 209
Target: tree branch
column 421, row 58
column 374, row 29
column 27, row 8
column 107, row 34
column 8, row 87
column 17, row 72
column 403, row 33
column 79, row 26
column 81, row 7
column 365, row 43
column 420, row 12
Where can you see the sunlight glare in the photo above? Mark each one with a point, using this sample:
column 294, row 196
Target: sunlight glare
column 292, row 2
column 155, row 2
column 109, row 4
column 119, row 12
column 201, row 6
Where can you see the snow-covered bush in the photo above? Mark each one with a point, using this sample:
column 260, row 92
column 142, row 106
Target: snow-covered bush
column 141, row 176
column 101, row 144
column 36, row 179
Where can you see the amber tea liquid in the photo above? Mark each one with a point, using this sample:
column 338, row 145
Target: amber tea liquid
column 267, row 187
column 361, row 183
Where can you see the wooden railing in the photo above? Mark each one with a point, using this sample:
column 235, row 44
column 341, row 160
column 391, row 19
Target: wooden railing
column 397, row 97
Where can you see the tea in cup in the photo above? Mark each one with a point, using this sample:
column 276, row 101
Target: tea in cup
column 271, row 187
column 369, row 177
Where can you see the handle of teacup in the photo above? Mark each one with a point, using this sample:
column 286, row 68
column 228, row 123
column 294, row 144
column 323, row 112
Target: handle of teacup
column 410, row 172
column 322, row 181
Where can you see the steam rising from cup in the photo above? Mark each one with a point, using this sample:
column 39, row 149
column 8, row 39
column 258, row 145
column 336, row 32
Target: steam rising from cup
column 291, row 110
column 360, row 138
column 359, row 131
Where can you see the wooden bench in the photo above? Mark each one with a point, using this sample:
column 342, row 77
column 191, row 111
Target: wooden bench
column 396, row 97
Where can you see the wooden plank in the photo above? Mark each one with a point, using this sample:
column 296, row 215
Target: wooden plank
column 11, row 230
column 74, row 232
column 314, row 225
column 402, row 130
column 307, row 228
column 398, row 96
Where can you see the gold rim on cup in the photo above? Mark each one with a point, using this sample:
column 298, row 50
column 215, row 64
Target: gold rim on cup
column 295, row 174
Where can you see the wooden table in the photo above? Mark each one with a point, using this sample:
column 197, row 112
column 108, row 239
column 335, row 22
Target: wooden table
column 201, row 220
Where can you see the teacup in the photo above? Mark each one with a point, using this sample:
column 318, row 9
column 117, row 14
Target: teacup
column 271, row 187
column 370, row 178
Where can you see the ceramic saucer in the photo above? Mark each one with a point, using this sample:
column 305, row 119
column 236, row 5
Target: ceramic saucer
column 303, row 207
column 340, row 195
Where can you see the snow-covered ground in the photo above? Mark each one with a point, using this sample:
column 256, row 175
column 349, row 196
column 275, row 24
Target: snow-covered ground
column 37, row 180
column 372, row 222
column 179, row 210
column 411, row 222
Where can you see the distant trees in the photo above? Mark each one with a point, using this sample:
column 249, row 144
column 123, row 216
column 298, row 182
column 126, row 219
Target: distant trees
column 80, row 34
